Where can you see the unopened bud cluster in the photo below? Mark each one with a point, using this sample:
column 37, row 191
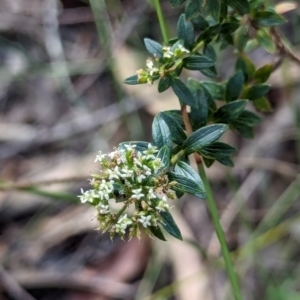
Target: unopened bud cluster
column 132, row 178
column 156, row 68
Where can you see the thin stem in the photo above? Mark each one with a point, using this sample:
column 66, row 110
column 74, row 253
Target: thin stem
column 161, row 21
column 220, row 234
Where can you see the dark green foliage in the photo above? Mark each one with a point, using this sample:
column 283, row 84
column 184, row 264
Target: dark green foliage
column 182, row 92
column 170, row 226
column 203, row 137
column 242, row 6
column 156, row 231
column 132, row 80
column 185, row 31
column 263, row 73
column 268, row 18
column 229, row 112
column 164, row 83
column 234, row 86
column 197, row 62
column 214, row 8
column 164, row 155
column 153, row 48
column 256, row 91
column 161, row 133
column 193, row 8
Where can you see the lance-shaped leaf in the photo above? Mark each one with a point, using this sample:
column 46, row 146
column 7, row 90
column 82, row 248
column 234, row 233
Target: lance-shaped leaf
column 175, row 126
column 263, row 73
column 209, row 34
column 203, row 136
column 234, row 86
column 164, row 155
column 185, row 31
column 170, row 226
column 132, row 80
column 197, row 62
column 164, row 84
column 257, row 91
column 216, row 90
column 193, row 8
column 230, row 111
column 210, row 52
column 186, row 185
column 187, row 171
column 210, row 72
column 214, row 8
column 182, row 92
column 161, row 133
column 156, row 231
column 153, row 48
column 217, row 150
column 268, row 18
column 242, row 6
column 263, row 104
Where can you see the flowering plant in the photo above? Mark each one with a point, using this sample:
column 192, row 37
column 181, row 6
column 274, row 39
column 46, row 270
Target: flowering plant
column 146, row 176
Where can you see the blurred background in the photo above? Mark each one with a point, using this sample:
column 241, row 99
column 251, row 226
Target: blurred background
column 62, row 99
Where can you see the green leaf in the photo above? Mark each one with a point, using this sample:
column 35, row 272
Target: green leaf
column 153, row 48
column 170, row 226
column 203, row 136
column 208, row 162
column 268, row 18
column 185, row 31
column 132, row 80
column 193, row 8
column 182, row 92
column 234, row 86
column 209, row 34
column 175, row 126
column 245, row 64
column 217, row 150
column 230, row 111
column 216, row 90
column 210, row 52
column 197, row 62
column 185, row 185
column 242, row 6
column 229, row 27
column 187, row 171
column 241, row 37
column 263, row 104
column 263, row 73
column 210, row 72
column 200, row 23
column 164, row 83
column 176, row 3
column 257, row 91
column 226, row 161
column 214, row 8
column 161, row 133
column 164, row 155
column 265, row 40
column 199, row 112
column 156, row 231
column 245, row 122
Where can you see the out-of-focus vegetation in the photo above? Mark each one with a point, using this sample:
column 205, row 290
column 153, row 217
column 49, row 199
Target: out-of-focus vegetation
column 62, row 99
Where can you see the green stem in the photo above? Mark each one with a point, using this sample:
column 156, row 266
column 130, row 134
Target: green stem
column 161, row 21
column 221, row 236
column 177, row 157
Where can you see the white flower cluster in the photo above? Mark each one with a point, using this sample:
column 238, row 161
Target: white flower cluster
column 134, row 178
column 155, row 68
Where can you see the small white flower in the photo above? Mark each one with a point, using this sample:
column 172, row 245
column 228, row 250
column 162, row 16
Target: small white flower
column 147, row 170
column 112, row 174
column 112, row 154
column 182, row 49
column 130, row 147
column 100, row 157
column 104, row 209
column 141, row 177
column 137, row 162
column 87, row 196
column 136, row 194
column 145, row 220
column 151, row 194
column 149, row 63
